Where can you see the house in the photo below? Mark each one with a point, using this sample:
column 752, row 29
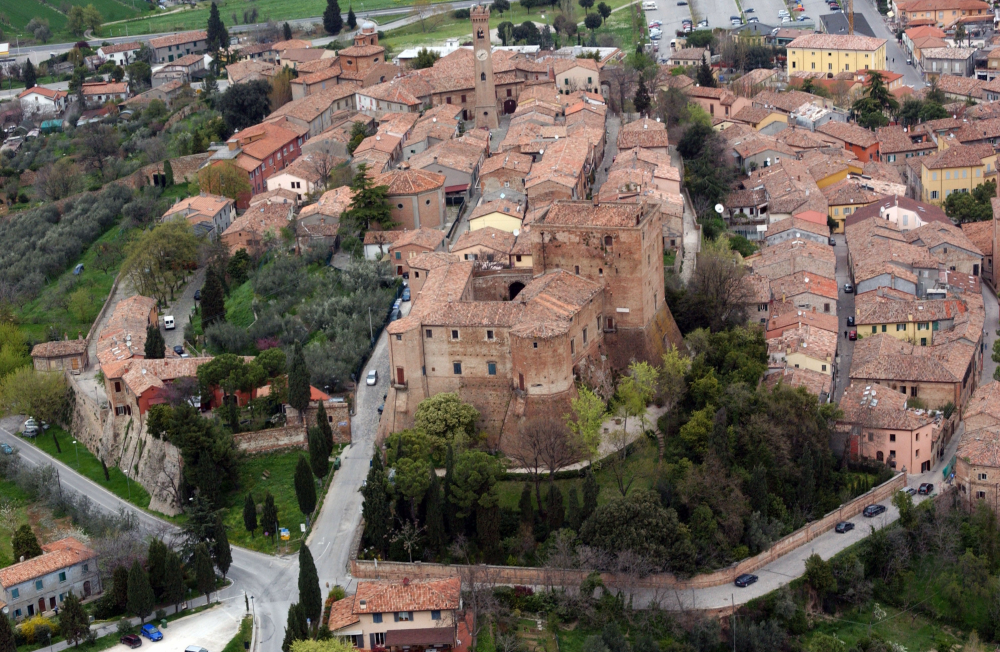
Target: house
column 562, row 173
column 40, row 584
column 759, row 118
column 214, row 210
column 121, row 340
column 980, row 234
column 122, row 54
column 905, row 213
column 304, row 175
column 940, row 13
column 960, row 168
column 899, row 143
column 250, row 230
column 789, row 101
column 146, row 383
column 506, row 171
column 881, row 427
column 41, row 101
column 854, row 193
column 316, row 111
column 261, row 151
column 815, row 382
column 166, row 93
column 404, row 95
column 320, row 222
column 803, row 347
column 242, row 72
column 832, row 53
column 174, row 46
column 688, row 57
column 780, row 321
column 645, row 133
column 400, row 615
column 188, row 68
column 961, row 89
column 952, row 61
column 416, row 197
column 796, row 229
column 413, row 243
column 502, row 214
column 806, row 291
column 791, row 257
column 977, row 467
column 458, row 160
column 577, row 74
column 337, row 412
column 61, row 354
column 278, row 196
column 904, row 316
column 861, row 142
column 950, row 245
column 97, row 94
column 719, row 102
column 487, row 244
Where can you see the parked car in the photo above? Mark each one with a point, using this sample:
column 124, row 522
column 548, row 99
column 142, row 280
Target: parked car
column 6, row 449
column 657, row 37
column 910, row 491
column 149, row 631
column 406, row 294
column 655, row 23
column 168, row 322
column 702, row 23
column 195, row 648
column 753, row 19
column 381, row 408
column 30, row 428
column 852, row 335
column 131, row 640
column 873, row 510
column 844, row 527
column 682, row 4
column 746, row 579
column 783, row 12
column 197, row 295
column 396, row 314
column 372, row 378
column 850, row 320
column 179, row 349
column 848, row 288
column 748, row 11
column 926, row 489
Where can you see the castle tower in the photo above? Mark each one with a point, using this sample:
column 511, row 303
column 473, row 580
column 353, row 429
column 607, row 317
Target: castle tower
column 486, row 94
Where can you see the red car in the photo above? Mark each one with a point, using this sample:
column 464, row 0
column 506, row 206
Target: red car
column 852, row 335
column 131, row 640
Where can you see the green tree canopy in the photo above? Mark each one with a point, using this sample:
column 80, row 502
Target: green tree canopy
column 370, row 206
column 140, row 593
column 218, row 36
column 305, row 488
column 447, row 419
column 24, row 543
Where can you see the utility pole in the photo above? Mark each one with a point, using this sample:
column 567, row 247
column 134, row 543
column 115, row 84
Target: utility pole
column 850, row 16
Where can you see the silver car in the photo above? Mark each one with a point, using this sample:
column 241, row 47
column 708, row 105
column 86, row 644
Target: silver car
column 372, row 378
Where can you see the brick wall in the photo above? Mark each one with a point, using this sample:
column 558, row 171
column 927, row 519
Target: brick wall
column 272, row 439
column 495, row 285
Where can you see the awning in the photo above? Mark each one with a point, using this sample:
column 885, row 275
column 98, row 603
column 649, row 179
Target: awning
column 429, row 636
column 459, row 188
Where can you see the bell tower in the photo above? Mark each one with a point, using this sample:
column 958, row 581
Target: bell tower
column 486, row 94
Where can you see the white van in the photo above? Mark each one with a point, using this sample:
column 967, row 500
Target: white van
column 649, row 6
column 168, row 322
column 782, row 13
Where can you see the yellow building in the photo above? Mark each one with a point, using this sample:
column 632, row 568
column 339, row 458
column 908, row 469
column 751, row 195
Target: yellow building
column 833, row 53
column 846, row 197
column 913, row 321
column 960, row 168
column 757, row 118
column 805, row 347
column 501, row 214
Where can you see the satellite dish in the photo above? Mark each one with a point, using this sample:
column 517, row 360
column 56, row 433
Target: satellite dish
column 516, row 233
column 719, row 209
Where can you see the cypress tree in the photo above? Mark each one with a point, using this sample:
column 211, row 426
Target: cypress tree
column 25, row 543
column 323, row 423
column 269, row 516
column 140, row 593
column 573, row 509
column 305, row 488
column 332, row 20
column 527, row 512
column 451, row 524
column 555, row 512
column 488, row 530
column 310, row 596
column 168, row 174
column 204, row 571
column 319, row 456
column 119, row 587
column 213, row 302
column 434, row 513
column 173, row 590
column 156, row 560
column 218, row 37
column 7, row 643
column 222, row 552
column 641, row 100
column 28, row 75
column 287, row 31
column 298, row 383
column 156, row 348
column 249, row 514
column 590, row 491
column 352, row 20
column 375, row 507
column 74, row 623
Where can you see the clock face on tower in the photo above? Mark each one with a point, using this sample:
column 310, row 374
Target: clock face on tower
column 481, row 55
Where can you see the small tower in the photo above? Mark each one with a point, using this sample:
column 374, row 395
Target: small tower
column 486, row 94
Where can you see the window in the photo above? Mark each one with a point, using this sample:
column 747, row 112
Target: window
column 435, row 614
column 491, row 368
column 892, row 437
column 358, row 640
column 913, row 390
column 584, row 335
column 934, row 194
column 489, row 335
column 900, row 327
column 62, row 576
column 572, row 346
column 118, row 386
column 15, row 593
column 874, row 329
column 980, row 494
column 454, row 334
column 824, row 367
column 400, row 206
column 534, row 345
column 482, row 76
column 17, row 613
column 826, row 307
column 883, row 328
column 577, row 269
column 429, row 333
column 922, row 326
column 399, row 338
column 38, row 585
column 379, row 639
column 457, row 368
column 902, row 389
column 982, row 476
column 463, row 98
column 404, row 616
column 398, row 255
column 447, row 100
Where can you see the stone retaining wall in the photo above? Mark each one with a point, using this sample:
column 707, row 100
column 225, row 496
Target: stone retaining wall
column 272, row 439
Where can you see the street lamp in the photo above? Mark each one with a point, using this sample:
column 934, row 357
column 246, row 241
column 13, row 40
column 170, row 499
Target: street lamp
column 254, row 608
column 77, row 451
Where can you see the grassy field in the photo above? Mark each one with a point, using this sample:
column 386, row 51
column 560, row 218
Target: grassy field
column 242, row 636
column 239, row 306
column 88, row 465
column 71, row 315
column 19, row 13
column 18, row 500
column 912, row 631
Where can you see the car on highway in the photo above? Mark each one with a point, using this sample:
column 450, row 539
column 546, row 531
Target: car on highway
column 844, row 527
column 873, row 510
column 848, row 288
column 850, row 320
column 745, row 580
column 149, row 631
column 179, row 350
column 926, row 489
column 372, row 378
column 6, row 449
column 131, row 640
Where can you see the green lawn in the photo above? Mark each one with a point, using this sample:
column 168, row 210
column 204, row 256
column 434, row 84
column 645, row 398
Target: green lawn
column 239, row 306
column 912, row 631
column 86, row 463
column 242, row 636
column 18, row 499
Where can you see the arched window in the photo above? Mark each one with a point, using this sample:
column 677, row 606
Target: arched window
column 482, row 76
column 608, row 240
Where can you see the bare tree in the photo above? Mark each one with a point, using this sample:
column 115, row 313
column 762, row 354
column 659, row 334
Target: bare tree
column 409, row 535
column 96, row 145
column 543, row 444
column 478, row 583
column 58, row 180
column 322, row 161
column 624, row 474
column 622, row 80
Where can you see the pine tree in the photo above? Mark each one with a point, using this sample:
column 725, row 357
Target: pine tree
column 269, row 516
column 156, row 560
column 168, row 173
column 375, row 507
column 222, row 553
column 332, row 20
column 287, row 31
column 7, row 643
column 119, row 587
column 590, row 491
column 641, row 100
column 25, row 544
column 352, row 20
column 140, row 593
column 573, row 509
column 298, row 383
column 249, row 514
column 310, row 595
column 218, row 37
column 705, row 76
column 28, row 75
column 156, row 347
column 173, row 591
column 319, row 456
column 213, row 302
column 74, row 623
column 527, row 512
column 434, row 513
column 555, row 513
column 204, row 571
column 370, row 206
column 305, row 488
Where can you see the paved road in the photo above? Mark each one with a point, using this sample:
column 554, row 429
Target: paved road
column 845, row 309
column 614, row 123
column 671, row 16
column 990, row 327
column 181, row 309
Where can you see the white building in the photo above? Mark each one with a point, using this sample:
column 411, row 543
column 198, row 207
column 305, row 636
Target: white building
column 42, row 101
column 121, row 53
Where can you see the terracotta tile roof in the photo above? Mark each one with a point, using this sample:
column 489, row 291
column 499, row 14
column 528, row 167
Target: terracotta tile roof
column 325, row 74
column 562, row 162
column 59, row 348
column 382, row 237
column 187, row 60
column 814, row 382
column 855, row 191
column 315, row 104
column 509, row 161
column 243, row 71
column 120, row 47
column 981, row 235
column 799, row 225
column 791, row 318
column 582, row 213
column 958, row 156
column 55, row 556
column 959, row 54
column 489, row 237
column 789, row 190
column 408, row 90
column 454, row 154
column 941, row 5
column 787, row 101
column 980, row 447
column 380, row 142
column 105, row 88
column 271, row 196
column 201, row 204
column 816, row 343
column 881, row 307
column 849, row 132
column 965, row 86
column 752, row 114
column 882, row 357
column 560, row 65
column 801, row 283
column 429, row 239
column 262, row 219
column 513, row 209
column 125, row 333
column 342, row 614
column 838, row 42
column 878, row 406
column 984, row 401
column 883, row 172
column 332, row 203
column 41, row 90
column 689, row 54
column 410, row 181
column 143, row 374
column 297, row 55
column 178, row 39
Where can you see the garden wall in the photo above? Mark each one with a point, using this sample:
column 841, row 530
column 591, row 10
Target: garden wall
column 571, row 578
column 272, row 439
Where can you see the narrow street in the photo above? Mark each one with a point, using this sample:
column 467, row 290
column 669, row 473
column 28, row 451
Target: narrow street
column 990, row 326
column 845, row 309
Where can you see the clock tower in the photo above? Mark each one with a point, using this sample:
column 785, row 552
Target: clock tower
column 486, row 94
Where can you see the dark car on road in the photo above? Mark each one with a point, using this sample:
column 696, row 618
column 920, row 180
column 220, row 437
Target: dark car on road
column 131, row 640
column 178, row 349
column 833, row 243
column 848, row 288
column 844, row 526
column 6, row 449
column 197, row 295
column 873, row 510
column 926, row 489
column 746, row 579
column 850, row 321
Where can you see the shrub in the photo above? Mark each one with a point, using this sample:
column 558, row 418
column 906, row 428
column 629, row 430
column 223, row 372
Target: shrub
column 36, row 629
column 224, row 337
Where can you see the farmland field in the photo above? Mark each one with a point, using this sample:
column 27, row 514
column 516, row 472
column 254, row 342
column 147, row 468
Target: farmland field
column 19, row 13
